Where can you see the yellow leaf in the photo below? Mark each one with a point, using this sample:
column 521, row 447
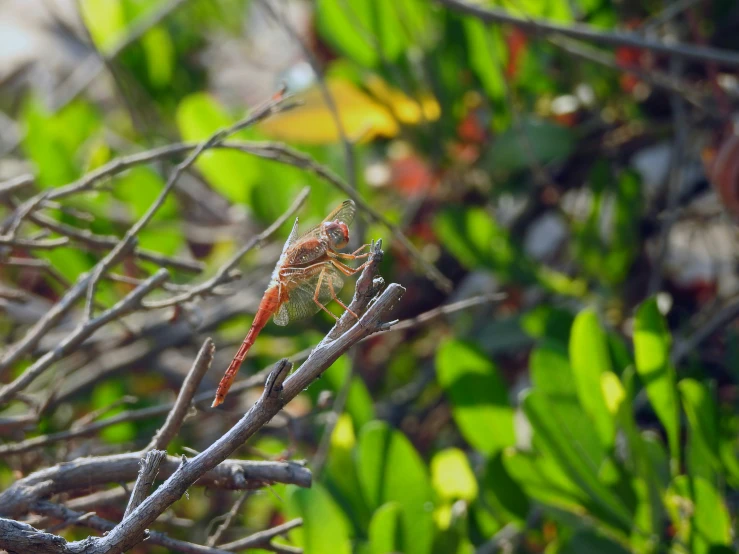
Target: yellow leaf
column 363, row 117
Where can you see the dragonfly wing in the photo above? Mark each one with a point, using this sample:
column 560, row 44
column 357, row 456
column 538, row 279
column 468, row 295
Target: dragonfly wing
column 302, row 304
column 292, row 237
column 282, row 318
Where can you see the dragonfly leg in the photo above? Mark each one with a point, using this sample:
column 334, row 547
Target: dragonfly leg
column 345, row 269
column 354, row 255
column 333, row 294
column 318, row 290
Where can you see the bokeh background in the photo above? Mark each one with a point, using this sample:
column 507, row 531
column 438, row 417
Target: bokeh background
column 571, row 386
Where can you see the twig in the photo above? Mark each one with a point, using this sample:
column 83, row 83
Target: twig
column 278, row 391
column 223, row 272
column 30, row 244
column 87, row 328
column 85, row 281
column 86, row 473
column 285, row 154
column 446, row 310
column 98, row 523
column 223, row 527
column 585, row 32
column 181, row 406
column 674, row 183
column 86, row 72
column 147, row 473
column 721, row 319
column 16, row 183
column 262, row 538
column 21, row 538
column 102, row 242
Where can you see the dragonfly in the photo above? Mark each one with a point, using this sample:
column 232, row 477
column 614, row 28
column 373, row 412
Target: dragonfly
column 309, row 273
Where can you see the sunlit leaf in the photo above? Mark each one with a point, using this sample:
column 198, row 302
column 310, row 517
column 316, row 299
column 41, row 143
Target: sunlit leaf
column 390, row 470
column 487, row 52
column 452, row 476
column 651, row 353
column 106, row 21
column 385, row 529
column 702, row 451
column 363, row 117
column 233, row 174
column 590, row 361
column 160, row 56
column 542, row 415
column 478, row 396
column 324, row 528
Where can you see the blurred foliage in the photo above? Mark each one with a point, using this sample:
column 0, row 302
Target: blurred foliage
column 555, row 421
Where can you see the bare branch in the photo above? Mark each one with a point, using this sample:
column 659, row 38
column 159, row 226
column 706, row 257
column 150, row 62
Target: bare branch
column 82, row 332
column 585, row 32
column 84, row 473
column 277, row 393
column 223, row 527
column 184, row 398
column 262, row 538
column 21, row 538
column 147, row 473
column 93, row 521
column 222, row 274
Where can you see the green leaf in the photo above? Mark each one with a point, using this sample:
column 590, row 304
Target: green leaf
column 452, row 476
column 549, row 438
column 359, row 402
column 487, row 54
column 588, row 542
column 702, row 457
column 338, row 22
column 233, row 174
column 652, row 357
column 341, row 477
column 590, row 360
column 391, row 470
column 160, row 56
column 106, row 21
column 385, row 529
column 543, row 141
column 53, row 141
column 700, row 516
column 103, row 395
column 501, row 493
column 478, row 396
column 324, row 528
column 551, row 374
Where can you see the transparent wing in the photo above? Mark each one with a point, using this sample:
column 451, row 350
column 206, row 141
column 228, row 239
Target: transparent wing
column 291, row 237
column 281, row 318
column 344, row 212
column 302, row 292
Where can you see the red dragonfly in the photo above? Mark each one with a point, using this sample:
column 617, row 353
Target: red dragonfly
column 309, row 273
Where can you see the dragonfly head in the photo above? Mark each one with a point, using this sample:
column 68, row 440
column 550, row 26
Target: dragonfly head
column 337, row 233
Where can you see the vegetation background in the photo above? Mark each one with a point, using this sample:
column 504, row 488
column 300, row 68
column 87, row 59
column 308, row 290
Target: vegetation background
column 556, row 185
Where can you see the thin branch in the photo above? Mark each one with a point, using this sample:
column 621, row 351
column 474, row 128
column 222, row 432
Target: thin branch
column 278, row 391
column 586, row 32
column 182, row 405
column 85, row 281
column 15, row 184
column 284, row 154
column 86, row 473
column 719, row 320
column 222, row 274
column 98, row 523
column 262, row 538
column 148, row 472
column 228, row 519
column 446, row 310
column 103, row 242
column 30, row 244
column 81, row 333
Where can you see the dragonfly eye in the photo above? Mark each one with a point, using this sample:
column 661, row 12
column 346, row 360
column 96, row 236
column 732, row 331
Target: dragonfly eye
column 337, row 233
